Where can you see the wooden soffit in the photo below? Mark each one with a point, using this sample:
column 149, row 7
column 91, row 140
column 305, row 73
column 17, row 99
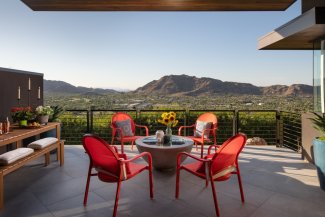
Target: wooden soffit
column 158, row 5
column 298, row 34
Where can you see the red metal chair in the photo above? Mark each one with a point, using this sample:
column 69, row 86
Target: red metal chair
column 207, row 133
column 111, row 166
column 216, row 167
column 118, row 134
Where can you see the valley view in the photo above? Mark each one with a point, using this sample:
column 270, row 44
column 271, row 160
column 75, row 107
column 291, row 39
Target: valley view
column 183, row 92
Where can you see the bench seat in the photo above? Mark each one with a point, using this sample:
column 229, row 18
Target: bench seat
column 6, row 169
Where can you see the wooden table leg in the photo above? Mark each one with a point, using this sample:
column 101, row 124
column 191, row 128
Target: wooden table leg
column 61, row 153
column 19, row 144
column 47, row 158
column 58, row 153
column 1, row 190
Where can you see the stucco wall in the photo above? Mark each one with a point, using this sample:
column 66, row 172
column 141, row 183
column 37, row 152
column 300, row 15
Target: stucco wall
column 308, row 134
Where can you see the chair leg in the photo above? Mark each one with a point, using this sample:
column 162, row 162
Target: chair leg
column 177, row 182
column 87, row 185
column 214, row 197
column 117, row 196
column 202, row 145
column 196, row 146
column 151, row 182
column 132, row 145
column 240, row 186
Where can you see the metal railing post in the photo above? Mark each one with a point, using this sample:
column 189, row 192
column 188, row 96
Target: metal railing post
column 88, row 127
column 186, row 118
column 137, row 117
column 91, row 119
column 235, row 122
column 279, row 129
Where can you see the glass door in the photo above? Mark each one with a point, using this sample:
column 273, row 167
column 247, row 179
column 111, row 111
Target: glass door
column 319, row 76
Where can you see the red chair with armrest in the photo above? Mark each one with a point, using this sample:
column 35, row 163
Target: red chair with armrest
column 126, row 133
column 207, row 132
column 112, row 166
column 216, row 167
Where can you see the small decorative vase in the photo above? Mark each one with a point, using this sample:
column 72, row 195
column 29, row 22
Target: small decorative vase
column 23, row 123
column 169, row 131
column 160, row 136
column 43, row 119
column 168, row 135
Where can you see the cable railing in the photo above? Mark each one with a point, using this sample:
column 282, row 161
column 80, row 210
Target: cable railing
column 275, row 127
column 256, row 123
column 290, row 123
column 75, row 123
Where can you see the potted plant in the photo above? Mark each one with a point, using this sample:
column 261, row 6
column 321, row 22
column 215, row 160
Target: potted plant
column 319, row 148
column 57, row 111
column 54, row 117
column 22, row 115
column 43, row 113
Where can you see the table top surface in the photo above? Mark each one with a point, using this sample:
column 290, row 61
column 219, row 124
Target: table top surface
column 152, row 142
column 21, row 133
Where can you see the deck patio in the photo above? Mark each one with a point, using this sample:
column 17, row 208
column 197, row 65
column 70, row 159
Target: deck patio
column 276, row 183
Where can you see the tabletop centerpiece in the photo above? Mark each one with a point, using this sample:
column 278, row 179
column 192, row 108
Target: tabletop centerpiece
column 168, row 119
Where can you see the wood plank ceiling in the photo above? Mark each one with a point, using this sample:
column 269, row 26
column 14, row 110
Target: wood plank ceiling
column 158, row 5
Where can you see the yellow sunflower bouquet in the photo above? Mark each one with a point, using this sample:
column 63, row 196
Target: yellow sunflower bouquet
column 168, row 119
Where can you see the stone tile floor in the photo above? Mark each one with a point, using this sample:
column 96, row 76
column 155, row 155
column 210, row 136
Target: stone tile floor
column 276, row 183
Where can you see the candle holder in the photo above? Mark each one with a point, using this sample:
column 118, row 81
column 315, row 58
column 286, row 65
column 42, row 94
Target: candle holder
column 29, row 89
column 18, row 95
column 28, row 97
column 39, row 93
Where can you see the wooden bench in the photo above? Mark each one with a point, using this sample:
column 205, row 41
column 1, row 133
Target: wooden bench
column 4, row 170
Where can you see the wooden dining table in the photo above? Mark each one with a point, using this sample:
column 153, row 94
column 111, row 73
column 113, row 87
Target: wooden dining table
column 16, row 135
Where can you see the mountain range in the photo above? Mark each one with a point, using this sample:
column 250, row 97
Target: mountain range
column 51, row 86
column 187, row 85
column 194, row 86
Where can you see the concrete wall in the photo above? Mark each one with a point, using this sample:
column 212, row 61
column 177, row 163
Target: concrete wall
column 308, row 134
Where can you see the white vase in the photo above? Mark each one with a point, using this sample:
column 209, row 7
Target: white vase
column 43, row 119
column 159, row 135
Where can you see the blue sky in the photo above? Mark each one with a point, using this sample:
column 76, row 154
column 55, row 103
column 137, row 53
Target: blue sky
column 129, row 49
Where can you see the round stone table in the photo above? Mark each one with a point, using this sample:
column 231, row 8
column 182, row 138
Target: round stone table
column 164, row 157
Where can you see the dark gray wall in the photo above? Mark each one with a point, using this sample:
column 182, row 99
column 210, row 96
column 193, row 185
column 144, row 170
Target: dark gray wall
column 10, row 79
column 309, row 4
